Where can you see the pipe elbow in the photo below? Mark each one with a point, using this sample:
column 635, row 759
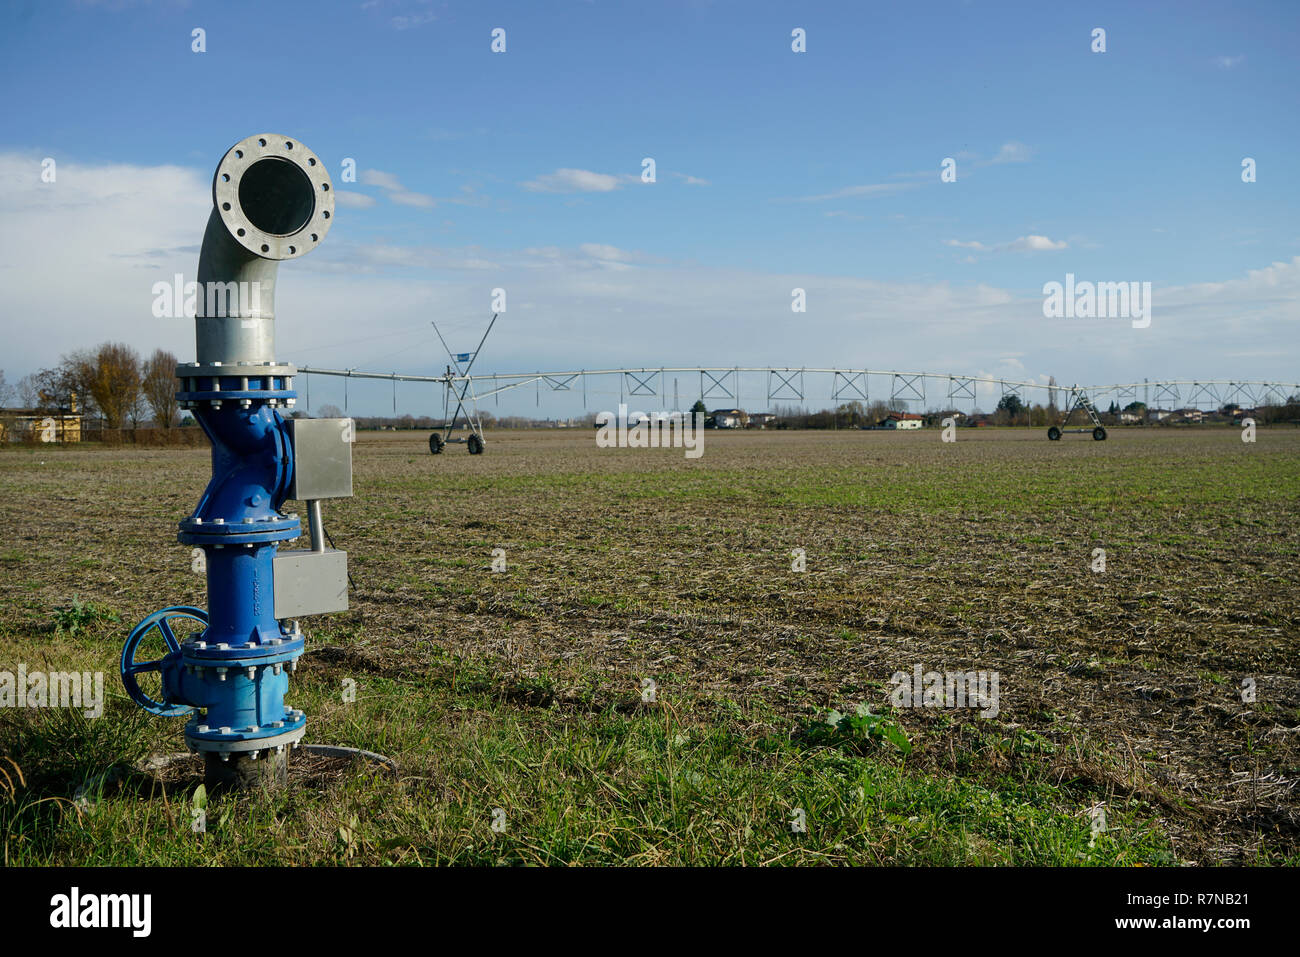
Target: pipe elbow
column 272, row 200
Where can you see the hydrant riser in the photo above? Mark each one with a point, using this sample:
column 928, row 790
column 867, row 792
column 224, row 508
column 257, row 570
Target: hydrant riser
column 235, row 673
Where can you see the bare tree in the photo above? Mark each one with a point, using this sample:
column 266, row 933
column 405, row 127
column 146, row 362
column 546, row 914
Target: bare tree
column 115, row 381
column 878, row 410
column 6, row 390
column 67, row 386
column 159, row 387
column 28, row 393
column 851, row 414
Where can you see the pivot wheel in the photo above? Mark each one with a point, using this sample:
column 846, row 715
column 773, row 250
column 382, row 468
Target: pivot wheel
column 475, row 445
column 1099, row 434
column 1054, row 434
column 436, row 444
column 164, row 623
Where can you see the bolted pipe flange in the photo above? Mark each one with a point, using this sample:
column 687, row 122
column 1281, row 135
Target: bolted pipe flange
column 249, row 190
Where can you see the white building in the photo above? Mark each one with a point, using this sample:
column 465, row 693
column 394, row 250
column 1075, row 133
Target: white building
column 902, row 420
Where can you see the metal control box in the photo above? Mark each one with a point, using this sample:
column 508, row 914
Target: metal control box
column 322, row 458
column 310, row 583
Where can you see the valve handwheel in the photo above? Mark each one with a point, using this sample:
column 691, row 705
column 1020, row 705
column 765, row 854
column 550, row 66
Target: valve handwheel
column 159, row 621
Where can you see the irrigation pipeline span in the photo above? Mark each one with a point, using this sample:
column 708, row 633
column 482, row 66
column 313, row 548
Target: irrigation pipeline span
column 846, row 385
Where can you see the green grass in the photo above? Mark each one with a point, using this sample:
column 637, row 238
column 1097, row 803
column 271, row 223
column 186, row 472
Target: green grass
column 75, row 617
column 670, row 784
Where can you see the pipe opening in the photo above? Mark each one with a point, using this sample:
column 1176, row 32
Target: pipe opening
column 276, row 196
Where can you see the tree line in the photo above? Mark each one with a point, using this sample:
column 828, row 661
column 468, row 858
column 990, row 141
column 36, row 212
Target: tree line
column 110, row 381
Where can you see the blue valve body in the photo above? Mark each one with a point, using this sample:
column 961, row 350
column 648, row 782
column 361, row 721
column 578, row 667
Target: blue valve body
column 236, row 671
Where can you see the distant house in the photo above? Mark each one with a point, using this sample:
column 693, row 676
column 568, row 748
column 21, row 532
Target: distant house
column 1191, row 415
column 761, row 420
column 728, row 418
column 1130, row 418
column 902, row 420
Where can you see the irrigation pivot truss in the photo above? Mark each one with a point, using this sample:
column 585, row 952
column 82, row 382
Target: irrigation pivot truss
column 786, row 384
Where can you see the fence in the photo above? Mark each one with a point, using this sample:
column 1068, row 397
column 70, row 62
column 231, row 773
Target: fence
column 187, row 437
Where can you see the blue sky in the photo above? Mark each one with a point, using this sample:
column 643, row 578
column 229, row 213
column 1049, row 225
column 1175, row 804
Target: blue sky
column 774, row 169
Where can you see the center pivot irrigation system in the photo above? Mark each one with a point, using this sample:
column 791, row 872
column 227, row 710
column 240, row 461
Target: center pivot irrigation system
column 459, row 387
column 785, row 384
column 1079, row 400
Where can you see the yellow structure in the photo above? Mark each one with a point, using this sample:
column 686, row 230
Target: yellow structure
column 39, row 425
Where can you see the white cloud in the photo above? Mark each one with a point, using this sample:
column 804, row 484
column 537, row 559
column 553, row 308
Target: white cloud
column 603, row 251
column 1022, row 245
column 353, row 200
column 414, row 20
column 1228, row 62
column 1280, row 280
column 395, row 191
column 871, row 190
column 692, row 180
column 578, row 181
column 375, row 258
column 79, row 257
column 1027, row 244
column 1012, row 152
column 406, row 198
column 403, row 21
column 374, row 177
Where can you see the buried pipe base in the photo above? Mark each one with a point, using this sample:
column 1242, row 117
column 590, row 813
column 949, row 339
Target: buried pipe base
column 271, row 771
column 235, row 765
column 241, row 772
